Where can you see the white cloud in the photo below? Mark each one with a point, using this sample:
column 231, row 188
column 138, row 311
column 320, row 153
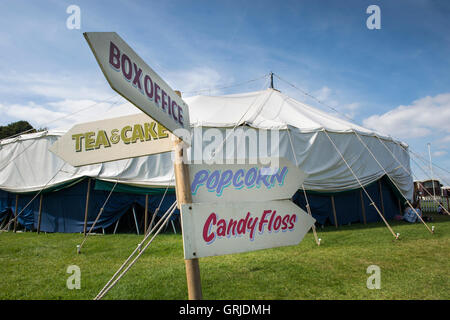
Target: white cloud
column 423, row 117
column 346, row 111
column 51, row 86
column 190, row 81
column 439, row 153
column 64, row 114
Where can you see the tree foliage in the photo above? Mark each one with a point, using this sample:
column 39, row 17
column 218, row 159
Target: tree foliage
column 15, row 128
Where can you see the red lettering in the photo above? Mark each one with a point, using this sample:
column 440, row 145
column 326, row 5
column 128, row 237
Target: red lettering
column 292, row 220
column 221, row 228
column 263, row 220
column 284, row 222
column 277, row 223
column 208, row 237
column 252, row 227
column 232, row 227
column 242, row 224
column 271, row 220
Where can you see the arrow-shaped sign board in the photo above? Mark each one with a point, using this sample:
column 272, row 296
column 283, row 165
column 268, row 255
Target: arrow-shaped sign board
column 132, row 78
column 242, row 207
column 246, row 182
column 211, row 229
column 112, row 139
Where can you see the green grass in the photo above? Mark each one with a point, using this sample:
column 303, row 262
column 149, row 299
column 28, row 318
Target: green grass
column 416, row 267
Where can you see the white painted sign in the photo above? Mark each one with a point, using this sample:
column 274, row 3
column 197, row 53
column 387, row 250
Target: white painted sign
column 131, row 77
column 211, row 229
column 112, row 139
column 244, row 182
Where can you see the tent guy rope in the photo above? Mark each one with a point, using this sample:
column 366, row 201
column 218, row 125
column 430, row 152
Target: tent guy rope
column 124, row 268
column 392, row 180
column 318, row 240
column 361, row 185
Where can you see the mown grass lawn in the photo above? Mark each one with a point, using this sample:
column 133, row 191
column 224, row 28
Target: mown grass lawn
column 416, row 267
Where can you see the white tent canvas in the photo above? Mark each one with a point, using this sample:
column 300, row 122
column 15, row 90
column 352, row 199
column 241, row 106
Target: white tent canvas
column 27, row 165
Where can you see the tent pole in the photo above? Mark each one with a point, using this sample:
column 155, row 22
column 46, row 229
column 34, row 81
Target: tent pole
column 303, row 189
column 15, row 212
column 334, row 211
column 153, row 218
column 381, row 198
column 86, row 209
column 385, row 172
column 135, row 220
column 117, row 224
column 173, row 227
column 146, row 214
column 399, row 206
column 40, row 214
column 363, row 207
column 360, row 184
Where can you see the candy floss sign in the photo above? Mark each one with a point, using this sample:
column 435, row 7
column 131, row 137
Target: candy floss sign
column 240, row 208
column 211, row 229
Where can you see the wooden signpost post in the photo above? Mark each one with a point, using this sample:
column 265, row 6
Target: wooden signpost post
column 132, row 78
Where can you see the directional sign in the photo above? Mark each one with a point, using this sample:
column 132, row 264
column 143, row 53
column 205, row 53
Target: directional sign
column 235, row 182
column 112, row 139
column 240, row 208
column 211, row 229
column 132, row 78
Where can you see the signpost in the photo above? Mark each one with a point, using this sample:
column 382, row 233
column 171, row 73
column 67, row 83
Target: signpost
column 112, row 139
column 241, row 208
column 132, row 78
column 237, row 208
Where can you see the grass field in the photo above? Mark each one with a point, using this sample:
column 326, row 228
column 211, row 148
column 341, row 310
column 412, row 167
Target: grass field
column 415, row 267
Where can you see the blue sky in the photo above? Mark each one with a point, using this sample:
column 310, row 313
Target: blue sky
column 395, row 79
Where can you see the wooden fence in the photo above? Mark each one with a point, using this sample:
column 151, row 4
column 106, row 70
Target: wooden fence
column 428, row 205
